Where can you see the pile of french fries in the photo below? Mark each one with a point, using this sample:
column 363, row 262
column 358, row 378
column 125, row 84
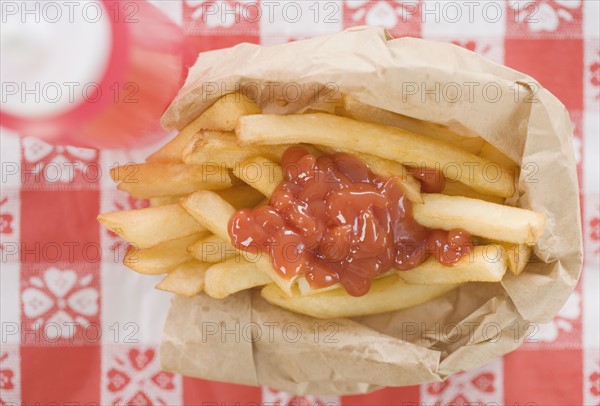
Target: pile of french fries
column 229, row 158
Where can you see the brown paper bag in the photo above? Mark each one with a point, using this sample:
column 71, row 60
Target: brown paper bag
column 245, row 340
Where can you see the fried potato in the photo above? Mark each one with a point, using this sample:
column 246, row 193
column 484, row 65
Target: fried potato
column 262, row 174
column 491, row 153
column 186, row 279
column 386, row 142
column 486, row 263
column 223, row 149
column 305, row 289
column 221, row 116
column 231, row 276
column 214, row 213
column 480, row 218
column 352, row 108
column 241, row 196
column 147, row 227
column 518, row 257
column 164, row 200
column 155, row 180
column 161, row 258
column 387, row 294
column 454, row 188
column 212, row 249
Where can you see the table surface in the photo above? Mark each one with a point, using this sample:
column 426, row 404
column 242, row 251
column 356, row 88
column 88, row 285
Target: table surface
column 556, row 42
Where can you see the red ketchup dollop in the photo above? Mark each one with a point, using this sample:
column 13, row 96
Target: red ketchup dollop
column 333, row 220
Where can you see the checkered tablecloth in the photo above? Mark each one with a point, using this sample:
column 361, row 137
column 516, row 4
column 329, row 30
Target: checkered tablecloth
column 59, row 265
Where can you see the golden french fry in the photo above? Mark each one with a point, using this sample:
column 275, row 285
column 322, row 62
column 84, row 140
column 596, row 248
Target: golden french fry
column 518, row 257
column 262, row 174
column 224, row 150
column 241, row 196
column 386, row 295
column 231, row 276
column 486, row 263
column 212, row 249
column 386, row 142
column 491, row 153
column 164, row 200
column 186, row 279
column 221, row 116
column 147, row 227
column 209, row 209
column 352, row 108
column 161, row 258
column 305, row 289
column 480, row 218
column 155, row 180
column 454, row 188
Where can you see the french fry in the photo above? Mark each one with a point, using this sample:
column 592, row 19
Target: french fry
column 241, row 196
column 214, row 213
column 486, row 263
column 147, row 227
column 231, row 276
column 352, row 108
column 491, row 153
column 164, row 200
column 210, row 210
column 518, row 257
column 186, row 279
column 454, row 188
column 480, row 218
column 221, row 116
column 212, row 249
column 305, row 289
column 156, row 180
column 223, row 149
column 162, row 258
column 261, row 173
column 386, row 295
column 382, row 141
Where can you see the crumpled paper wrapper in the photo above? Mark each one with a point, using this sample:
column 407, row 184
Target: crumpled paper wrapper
column 245, row 340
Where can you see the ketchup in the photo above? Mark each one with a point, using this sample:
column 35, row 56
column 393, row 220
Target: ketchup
column 333, row 220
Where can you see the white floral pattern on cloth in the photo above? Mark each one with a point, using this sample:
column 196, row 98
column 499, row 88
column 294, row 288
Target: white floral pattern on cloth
column 546, row 16
column 397, row 16
column 275, row 397
column 132, row 376
column 10, row 390
column 482, row 386
column 59, row 303
column 48, row 164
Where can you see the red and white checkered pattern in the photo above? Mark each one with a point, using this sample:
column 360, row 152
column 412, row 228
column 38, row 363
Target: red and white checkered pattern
column 59, row 266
